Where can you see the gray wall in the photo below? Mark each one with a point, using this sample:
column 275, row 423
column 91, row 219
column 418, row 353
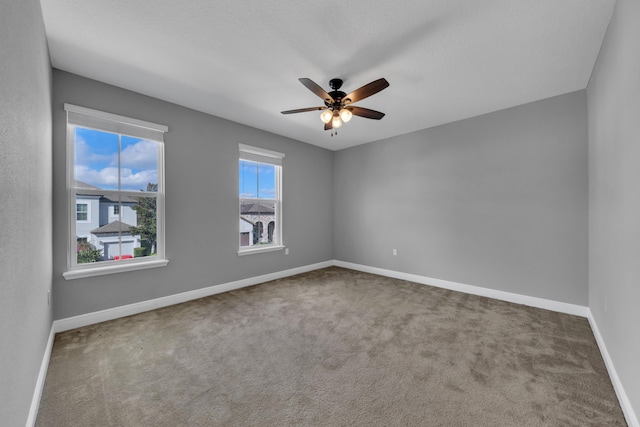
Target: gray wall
column 497, row 201
column 614, row 194
column 201, row 153
column 25, row 209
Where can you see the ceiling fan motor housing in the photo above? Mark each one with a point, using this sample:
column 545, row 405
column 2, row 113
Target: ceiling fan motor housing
column 338, row 96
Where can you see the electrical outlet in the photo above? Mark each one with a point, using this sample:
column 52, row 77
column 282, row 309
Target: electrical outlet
column 395, row 252
column 286, row 251
column 49, row 297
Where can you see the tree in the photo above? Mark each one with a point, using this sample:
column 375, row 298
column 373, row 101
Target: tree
column 146, row 213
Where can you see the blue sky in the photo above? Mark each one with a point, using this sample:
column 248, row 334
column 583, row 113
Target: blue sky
column 257, row 180
column 96, row 160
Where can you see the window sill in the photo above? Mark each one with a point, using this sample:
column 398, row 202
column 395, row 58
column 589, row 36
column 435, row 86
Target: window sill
column 269, row 248
column 110, row 269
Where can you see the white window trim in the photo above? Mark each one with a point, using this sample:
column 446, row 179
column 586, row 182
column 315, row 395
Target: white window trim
column 262, row 155
column 121, row 267
column 263, row 248
column 141, row 129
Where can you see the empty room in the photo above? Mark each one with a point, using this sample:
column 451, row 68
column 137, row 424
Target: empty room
column 224, row 213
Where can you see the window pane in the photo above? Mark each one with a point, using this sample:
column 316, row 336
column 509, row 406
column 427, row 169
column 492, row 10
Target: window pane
column 107, row 238
column 138, row 164
column 257, row 180
column 96, row 159
column 257, row 223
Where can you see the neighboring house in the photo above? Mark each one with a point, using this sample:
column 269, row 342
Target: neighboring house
column 246, row 232
column 102, row 221
column 262, row 220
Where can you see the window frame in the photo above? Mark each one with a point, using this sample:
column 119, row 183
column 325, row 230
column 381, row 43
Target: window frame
column 83, row 117
column 272, row 158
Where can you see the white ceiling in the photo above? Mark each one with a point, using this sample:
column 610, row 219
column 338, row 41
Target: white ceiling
column 445, row 60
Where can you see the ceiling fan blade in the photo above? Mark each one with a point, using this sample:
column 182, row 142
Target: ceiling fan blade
column 313, row 87
column 328, row 126
column 303, row 110
column 366, row 91
column 365, row 112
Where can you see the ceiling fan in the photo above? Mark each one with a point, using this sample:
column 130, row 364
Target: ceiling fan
column 338, row 106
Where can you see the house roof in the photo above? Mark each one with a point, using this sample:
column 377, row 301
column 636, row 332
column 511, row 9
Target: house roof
column 247, row 220
column 84, row 185
column 256, row 208
column 123, row 199
column 80, row 184
column 113, row 227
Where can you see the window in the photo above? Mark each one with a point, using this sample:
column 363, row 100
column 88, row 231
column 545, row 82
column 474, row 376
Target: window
column 260, row 194
column 82, row 212
column 115, row 187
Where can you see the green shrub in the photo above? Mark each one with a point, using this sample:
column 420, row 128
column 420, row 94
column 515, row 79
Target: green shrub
column 86, row 253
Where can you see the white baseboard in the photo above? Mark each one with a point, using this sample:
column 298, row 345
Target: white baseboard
column 42, row 375
column 140, row 307
column 629, row 413
column 561, row 307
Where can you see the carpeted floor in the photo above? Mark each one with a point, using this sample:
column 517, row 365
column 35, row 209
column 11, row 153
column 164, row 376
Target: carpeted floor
column 332, row 347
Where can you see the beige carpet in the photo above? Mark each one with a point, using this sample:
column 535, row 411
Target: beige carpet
column 333, row 347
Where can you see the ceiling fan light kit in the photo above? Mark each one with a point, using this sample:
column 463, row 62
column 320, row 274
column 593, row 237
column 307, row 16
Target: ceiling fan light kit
column 338, row 108
column 345, row 115
column 326, row 116
column 336, row 122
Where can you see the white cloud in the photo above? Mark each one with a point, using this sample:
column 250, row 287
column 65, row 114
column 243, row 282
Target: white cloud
column 86, row 156
column 104, row 178
column 268, row 192
column 138, row 180
column 108, row 178
column 141, row 155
